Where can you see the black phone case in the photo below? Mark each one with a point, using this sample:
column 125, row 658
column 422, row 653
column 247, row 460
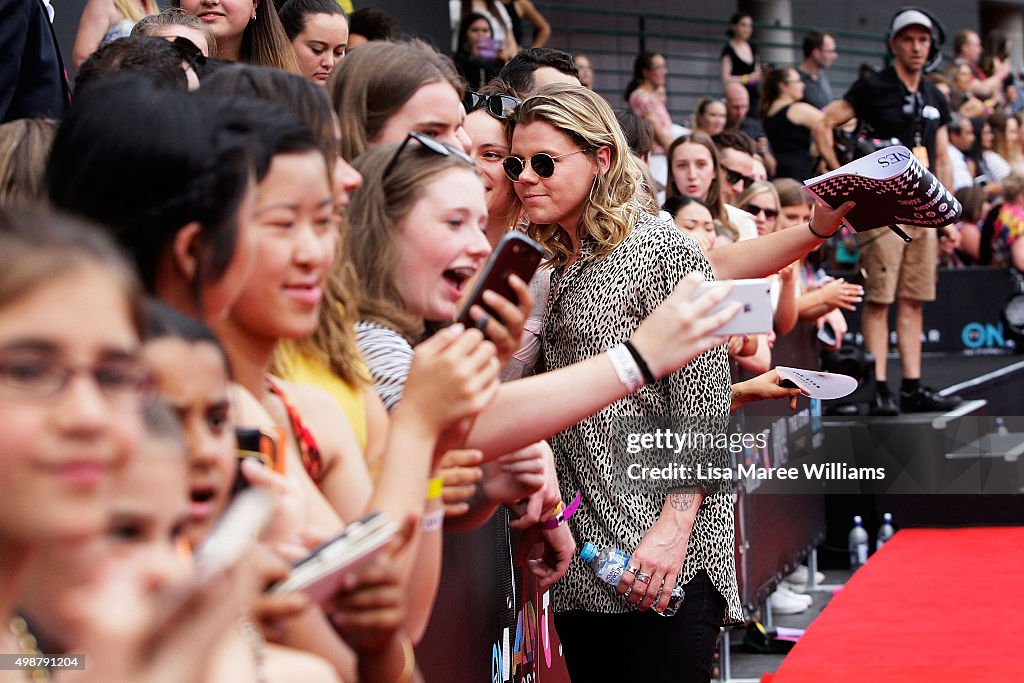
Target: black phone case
column 516, row 254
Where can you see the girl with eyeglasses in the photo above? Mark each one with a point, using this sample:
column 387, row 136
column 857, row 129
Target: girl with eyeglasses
column 72, row 395
column 614, row 264
column 788, row 122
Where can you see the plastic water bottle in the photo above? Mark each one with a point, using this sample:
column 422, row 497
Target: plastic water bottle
column 885, row 531
column 608, row 565
column 858, row 543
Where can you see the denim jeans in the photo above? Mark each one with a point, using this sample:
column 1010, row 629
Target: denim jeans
column 643, row 646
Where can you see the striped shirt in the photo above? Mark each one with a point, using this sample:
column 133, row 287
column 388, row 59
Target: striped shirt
column 388, row 356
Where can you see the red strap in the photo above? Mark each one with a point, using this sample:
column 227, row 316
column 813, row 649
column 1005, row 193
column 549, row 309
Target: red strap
column 308, row 449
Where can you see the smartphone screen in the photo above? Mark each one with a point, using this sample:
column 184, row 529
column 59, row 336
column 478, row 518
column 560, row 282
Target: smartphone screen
column 261, row 444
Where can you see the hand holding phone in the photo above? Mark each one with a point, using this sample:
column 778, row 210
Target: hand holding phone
column 262, row 444
column 754, row 298
column 516, row 254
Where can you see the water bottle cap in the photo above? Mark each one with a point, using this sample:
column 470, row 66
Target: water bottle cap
column 589, row 552
column 857, row 520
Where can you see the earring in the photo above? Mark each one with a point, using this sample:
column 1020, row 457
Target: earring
column 593, row 186
column 254, row 14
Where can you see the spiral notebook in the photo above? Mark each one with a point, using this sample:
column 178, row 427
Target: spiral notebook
column 890, row 187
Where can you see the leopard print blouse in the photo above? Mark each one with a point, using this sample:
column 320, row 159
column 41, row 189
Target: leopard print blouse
column 594, row 305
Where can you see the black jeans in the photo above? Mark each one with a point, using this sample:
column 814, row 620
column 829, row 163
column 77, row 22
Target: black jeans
column 643, row 646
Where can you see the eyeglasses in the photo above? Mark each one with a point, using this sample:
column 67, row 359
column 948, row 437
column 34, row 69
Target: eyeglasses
column 499, row 106
column 124, row 382
column 732, row 177
column 543, row 164
column 754, row 209
column 435, row 146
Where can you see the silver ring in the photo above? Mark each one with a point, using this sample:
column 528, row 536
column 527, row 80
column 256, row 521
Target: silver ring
column 629, row 589
column 643, row 578
column 632, row 569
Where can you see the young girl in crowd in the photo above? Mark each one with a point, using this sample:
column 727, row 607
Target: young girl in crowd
column 694, row 172
column 246, row 31
column 475, row 59
column 318, row 31
column 388, row 89
column 72, row 389
column 580, row 189
column 709, row 116
column 693, row 217
column 175, row 22
column 24, row 148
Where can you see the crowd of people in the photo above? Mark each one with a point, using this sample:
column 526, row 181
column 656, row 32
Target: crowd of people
column 260, row 217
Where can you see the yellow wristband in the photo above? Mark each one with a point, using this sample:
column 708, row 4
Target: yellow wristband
column 434, row 488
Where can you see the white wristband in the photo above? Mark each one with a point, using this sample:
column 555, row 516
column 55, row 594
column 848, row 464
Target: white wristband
column 626, row 368
column 432, row 521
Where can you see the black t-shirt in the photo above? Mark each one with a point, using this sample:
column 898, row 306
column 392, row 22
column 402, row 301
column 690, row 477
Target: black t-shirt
column 892, row 111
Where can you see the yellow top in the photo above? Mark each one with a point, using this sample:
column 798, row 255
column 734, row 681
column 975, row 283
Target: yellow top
column 302, row 369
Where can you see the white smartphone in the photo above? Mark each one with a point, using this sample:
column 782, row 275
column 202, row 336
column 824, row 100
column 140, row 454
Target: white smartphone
column 754, row 296
column 319, row 573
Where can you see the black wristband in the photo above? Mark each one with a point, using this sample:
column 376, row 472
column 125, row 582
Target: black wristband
column 821, row 237
column 640, row 362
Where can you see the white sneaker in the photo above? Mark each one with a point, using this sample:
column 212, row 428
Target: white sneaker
column 798, row 579
column 807, row 600
column 786, row 602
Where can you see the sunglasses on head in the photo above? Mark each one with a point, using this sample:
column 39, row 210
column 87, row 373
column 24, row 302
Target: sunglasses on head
column 189, row 52
column 732, row 177
column 754, row 209
column 542, row 163
column 435, row 146
column 499, row 106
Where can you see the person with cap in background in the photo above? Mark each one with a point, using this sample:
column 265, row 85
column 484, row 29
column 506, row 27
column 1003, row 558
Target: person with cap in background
column 898, row 102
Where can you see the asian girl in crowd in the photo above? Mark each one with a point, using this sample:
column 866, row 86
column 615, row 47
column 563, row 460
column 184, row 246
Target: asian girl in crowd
column 388, row 89
column 103, row 21
column 247, row 31
column 693, row 217
column 72, row 390
column 821, row 300
column 580, row 189
column 318, row 31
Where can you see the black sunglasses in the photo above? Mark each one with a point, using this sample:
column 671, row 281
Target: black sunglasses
column 499, row 106
column 754, row 209
column 543, row 164
column 732, row 177
column 435, row 146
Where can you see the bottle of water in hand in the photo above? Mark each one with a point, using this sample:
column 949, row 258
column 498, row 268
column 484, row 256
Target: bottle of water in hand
column 885, row 531
column 608, row 565
column 858, row 543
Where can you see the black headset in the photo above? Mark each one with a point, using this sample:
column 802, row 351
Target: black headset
column 938, row 32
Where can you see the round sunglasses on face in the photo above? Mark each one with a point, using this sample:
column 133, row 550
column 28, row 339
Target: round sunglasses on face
column 754, row 209
column 499, row 106
column 543, row 164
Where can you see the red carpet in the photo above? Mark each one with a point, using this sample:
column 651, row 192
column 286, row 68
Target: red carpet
column 934, row 605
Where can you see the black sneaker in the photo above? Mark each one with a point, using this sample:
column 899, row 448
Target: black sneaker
column 926, row 400
column 883, row 405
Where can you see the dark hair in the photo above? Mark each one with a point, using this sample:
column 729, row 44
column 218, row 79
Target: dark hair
column 373, row 24
column 467, row 21
column 642, row 63
column 146, row 162
column 163, row 321
column 960, row 39
column 735, row 139
column 293, row 13
column 638, row 131
column 674, row 204
column 814, row 40
column 771, row 88
column 264, row 41
column 142, row 56
column 972, row 198
column 38, row 245
column 518, row 71
column 305, row 100
column 735, row 19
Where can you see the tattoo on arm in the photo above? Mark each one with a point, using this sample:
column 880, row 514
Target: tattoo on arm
column 682, row 499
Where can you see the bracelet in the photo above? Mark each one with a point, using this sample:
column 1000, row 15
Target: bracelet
column 819, row 236
column 645, row 370
column 626, row 368
column 563, row 516
column 432, row 521
column 408, row 661
column 434, row 488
